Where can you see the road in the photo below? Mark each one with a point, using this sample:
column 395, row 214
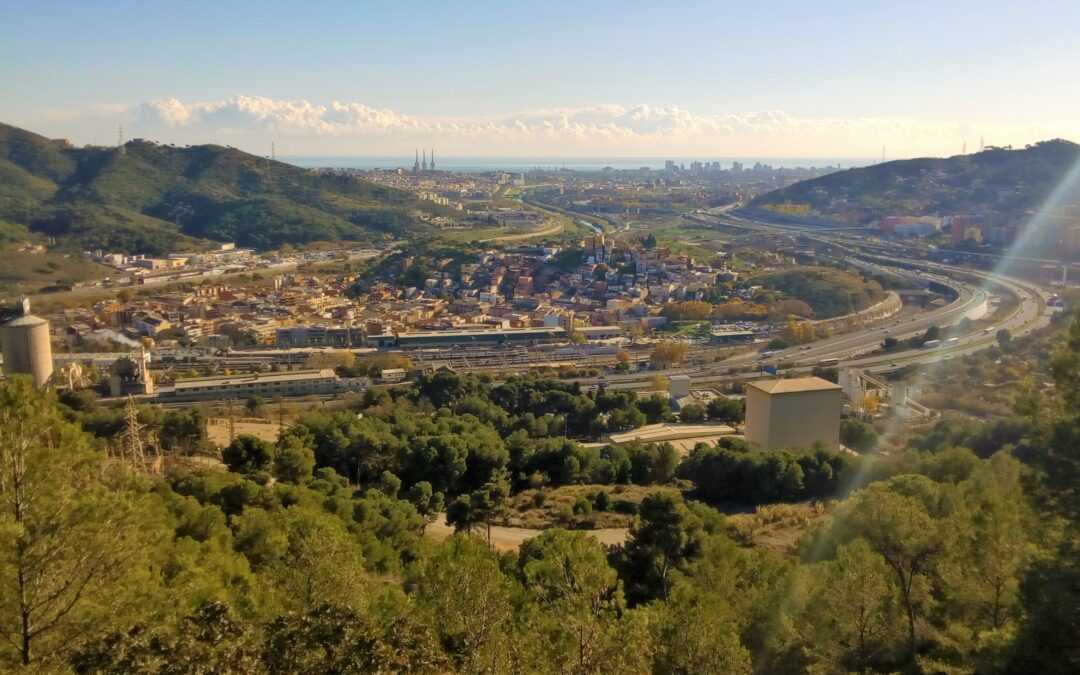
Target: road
column 854, row 349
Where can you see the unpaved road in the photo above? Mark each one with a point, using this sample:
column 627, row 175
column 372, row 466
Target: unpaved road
column 511, row 538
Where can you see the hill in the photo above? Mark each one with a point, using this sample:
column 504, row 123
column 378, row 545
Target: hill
column 149, row 198
column 998, row 181
column 829, row 292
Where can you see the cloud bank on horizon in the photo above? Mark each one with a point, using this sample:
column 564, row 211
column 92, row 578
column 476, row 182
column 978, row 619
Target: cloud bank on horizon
column 353, row 128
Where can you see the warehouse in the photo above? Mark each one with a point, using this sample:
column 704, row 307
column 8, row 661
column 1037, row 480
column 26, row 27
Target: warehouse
column 793, row 413
column 265, row 385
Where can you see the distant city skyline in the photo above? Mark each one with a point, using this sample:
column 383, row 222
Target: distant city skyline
column 601, row 79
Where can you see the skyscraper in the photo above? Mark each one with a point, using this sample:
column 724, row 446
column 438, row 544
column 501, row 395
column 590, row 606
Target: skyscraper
column 416, row 164
column 432, row 165
column 423, row 163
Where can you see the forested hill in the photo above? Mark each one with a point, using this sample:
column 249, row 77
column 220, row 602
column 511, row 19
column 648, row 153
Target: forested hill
column 148, row 197
column 999, row 181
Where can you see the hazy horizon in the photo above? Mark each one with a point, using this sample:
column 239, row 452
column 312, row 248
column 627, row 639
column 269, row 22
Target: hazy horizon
column 599, row 79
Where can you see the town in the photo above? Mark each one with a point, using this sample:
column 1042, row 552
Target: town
column 556, row 338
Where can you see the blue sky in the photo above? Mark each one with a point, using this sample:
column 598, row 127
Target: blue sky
column 555, row 78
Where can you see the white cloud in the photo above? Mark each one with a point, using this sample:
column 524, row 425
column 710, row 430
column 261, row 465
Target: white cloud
column 342, row 127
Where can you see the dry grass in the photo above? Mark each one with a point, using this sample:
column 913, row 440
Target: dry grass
column 778, row 527
column 556, row 508
column 217, row 430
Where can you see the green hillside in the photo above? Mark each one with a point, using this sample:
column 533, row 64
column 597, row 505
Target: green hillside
column 997, row 181
column 829, row 292
column 150, row 198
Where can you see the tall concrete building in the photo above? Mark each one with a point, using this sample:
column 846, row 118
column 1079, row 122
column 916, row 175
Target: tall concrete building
column 26, row 347
column 793, row 413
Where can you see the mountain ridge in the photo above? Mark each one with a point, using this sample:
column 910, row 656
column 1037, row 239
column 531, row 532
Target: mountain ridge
column 1000, row 181
column 147, row 197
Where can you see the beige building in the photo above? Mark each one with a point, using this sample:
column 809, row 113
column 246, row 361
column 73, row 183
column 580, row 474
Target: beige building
column 243, row 386
column 793, row 413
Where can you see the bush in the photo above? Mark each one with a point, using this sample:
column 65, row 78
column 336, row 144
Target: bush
column 692, row 413
column 582, row 507
column 601, row 501
column 625, row 506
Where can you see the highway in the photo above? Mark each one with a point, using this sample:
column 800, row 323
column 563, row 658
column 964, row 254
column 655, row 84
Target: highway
column 855, row 349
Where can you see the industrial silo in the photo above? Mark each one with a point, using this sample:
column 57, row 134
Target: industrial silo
column 26, row 347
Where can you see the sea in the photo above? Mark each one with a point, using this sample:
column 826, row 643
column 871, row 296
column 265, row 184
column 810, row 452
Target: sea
column 524, row 164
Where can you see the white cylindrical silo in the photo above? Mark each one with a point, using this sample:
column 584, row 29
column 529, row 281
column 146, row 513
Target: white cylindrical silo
column 26, row 348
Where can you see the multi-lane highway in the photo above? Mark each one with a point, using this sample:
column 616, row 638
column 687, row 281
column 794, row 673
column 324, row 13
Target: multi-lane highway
column 856, row 349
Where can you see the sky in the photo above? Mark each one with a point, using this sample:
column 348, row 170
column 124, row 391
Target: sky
column 590, row 78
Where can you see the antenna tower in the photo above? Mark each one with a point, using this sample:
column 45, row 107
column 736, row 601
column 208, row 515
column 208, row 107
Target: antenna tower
column 232, row 421
column 120, row 139
column 132, row 447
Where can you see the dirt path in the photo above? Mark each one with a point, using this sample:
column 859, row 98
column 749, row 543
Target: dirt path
column 554, row 229
column 511, row 538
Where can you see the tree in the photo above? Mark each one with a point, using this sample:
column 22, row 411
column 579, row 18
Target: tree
column 656, row 408
column 460, row 514
column 390, row 484
column 722, row 409
column 893, row 518
column 248, row 454
column 667, row 354
column 210, row 640
column 830, row 374
column 294, row 461
column 183, row 430
column 490, row 502
column 857, row 435
column 333, row 358
column 75, row 541
column 579, row 596
column 993, row 546
column 306, row 555
column 690, row 310
column 254, row 404
column 698, row 632
column 1004, row 338
column 467, row 597
column 664, row 537
column 692, row 412
column 334, row 639
column 427, row 503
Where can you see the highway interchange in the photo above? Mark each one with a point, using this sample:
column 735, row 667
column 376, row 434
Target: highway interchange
column 855, row 349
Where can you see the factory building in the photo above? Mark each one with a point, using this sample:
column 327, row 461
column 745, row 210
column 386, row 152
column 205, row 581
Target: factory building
column 464, row 337
column 27, row 350
column 265, row 385
column 793, row 413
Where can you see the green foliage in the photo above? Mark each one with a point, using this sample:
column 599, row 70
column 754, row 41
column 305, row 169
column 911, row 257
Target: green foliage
column 859, row 436
column 692, row 412
column 77, row 538
column 1003, row 181
column 664, row 539
column 153, row 198
column 738, row 477
column 943, row 559
column 829, row 292
column 248, row 454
